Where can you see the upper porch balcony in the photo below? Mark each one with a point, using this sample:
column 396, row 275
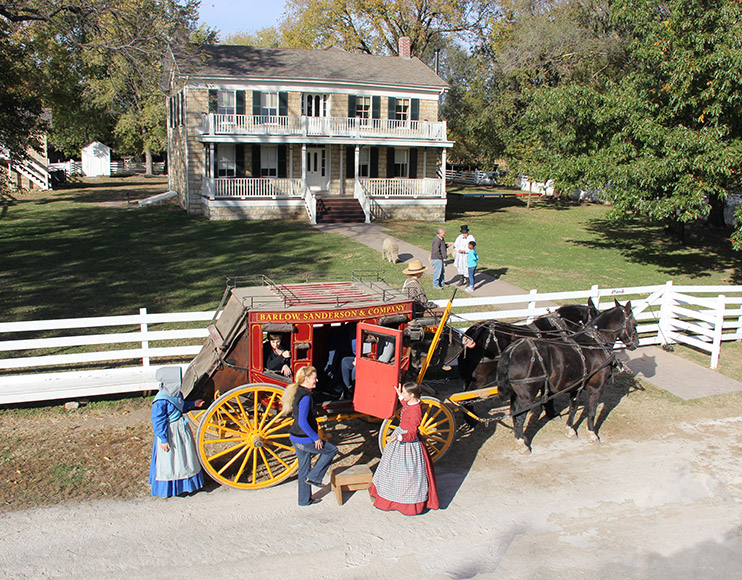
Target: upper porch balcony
column 343, row 127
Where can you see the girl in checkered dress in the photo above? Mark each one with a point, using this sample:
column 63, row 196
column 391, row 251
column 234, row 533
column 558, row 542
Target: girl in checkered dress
column 405, row 480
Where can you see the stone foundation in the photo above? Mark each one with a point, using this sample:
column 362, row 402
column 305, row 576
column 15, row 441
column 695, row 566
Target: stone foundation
column 254, row 212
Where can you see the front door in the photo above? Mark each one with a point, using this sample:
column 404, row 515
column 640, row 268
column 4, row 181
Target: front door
column 317, row 173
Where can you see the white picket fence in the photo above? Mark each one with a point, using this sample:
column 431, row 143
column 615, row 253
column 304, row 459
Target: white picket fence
column 120, row 354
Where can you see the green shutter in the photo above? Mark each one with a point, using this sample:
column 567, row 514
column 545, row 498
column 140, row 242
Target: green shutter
column 283, row 104
column 239, row 102
column 213, row 100
column 350, row 162
column 413, row 163
column 239, row 160
column 256, row 160
column 392, row 114
column 376, row 107
column 282, row 161
column 256, row 107
column 414, row 109
column 351, row 106
column 373, row 171
column 390, row 161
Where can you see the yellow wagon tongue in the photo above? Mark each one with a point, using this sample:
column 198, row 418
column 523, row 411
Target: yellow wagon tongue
column 436, row 337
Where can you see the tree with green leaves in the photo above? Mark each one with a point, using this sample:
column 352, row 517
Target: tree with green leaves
column 662, row 137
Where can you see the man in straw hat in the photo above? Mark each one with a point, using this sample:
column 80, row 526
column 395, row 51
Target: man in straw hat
column 412, row 286
column 461, row 248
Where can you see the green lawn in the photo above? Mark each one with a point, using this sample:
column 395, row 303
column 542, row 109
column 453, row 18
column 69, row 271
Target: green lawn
column 89, row 251
column 559, row 246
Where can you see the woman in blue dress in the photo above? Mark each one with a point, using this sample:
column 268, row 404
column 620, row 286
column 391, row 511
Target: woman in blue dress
column 175, row 468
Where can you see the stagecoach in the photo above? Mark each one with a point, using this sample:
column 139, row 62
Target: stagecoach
column 242, row 439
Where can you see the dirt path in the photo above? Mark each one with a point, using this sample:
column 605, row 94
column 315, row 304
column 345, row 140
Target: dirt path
column 660, row 498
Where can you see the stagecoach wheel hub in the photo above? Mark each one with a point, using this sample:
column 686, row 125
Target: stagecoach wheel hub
column 257, row 441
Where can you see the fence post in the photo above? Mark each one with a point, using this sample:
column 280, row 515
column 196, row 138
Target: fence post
column 532, row 304
column 145, row 342
column 595, row 295
column 718, row 328
column 663, row 331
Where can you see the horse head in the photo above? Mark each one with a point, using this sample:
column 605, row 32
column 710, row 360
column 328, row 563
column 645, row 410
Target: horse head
column 629, row 334
column 618, row 323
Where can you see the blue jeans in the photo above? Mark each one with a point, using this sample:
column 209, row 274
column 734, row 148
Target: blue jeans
column 439, row 274
column 304, row 452
column 471, row 276
column 348, row 370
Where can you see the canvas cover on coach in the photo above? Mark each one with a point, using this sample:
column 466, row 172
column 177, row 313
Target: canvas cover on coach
column 222, row 335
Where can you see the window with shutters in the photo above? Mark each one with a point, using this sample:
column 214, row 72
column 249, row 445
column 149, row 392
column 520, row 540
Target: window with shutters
column 364, row 162
column 401, row 162
column 225, row 161
column 269, row 104
column 363, row 109
column 268, row 161
column 402, row 110
column 225, row 103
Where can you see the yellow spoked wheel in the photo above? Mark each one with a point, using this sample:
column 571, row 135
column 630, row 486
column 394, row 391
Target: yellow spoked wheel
column 438, row 427
column 242, row 441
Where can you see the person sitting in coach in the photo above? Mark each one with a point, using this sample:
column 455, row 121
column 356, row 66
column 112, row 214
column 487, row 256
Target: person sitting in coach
column 275, row 357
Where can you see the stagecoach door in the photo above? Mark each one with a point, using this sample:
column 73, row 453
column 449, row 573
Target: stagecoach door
column 378, row 359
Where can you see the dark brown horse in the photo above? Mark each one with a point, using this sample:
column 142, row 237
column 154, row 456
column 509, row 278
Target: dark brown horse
column 532, row 370
column 492, row 337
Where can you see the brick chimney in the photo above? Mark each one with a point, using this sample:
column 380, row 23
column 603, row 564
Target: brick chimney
column 404, row 47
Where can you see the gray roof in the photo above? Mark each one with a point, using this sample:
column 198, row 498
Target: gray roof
column 226, row 61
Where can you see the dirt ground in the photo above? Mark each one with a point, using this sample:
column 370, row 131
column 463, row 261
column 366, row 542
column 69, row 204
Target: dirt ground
column 659, row 498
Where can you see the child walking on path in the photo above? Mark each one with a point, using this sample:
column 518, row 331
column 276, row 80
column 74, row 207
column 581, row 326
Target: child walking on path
column 174, row 468
column 472, row 259
column 405, row 480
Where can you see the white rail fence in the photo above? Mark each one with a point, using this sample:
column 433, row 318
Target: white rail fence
column 120, row 354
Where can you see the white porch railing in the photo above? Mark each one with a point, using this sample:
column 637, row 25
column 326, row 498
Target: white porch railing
column 354, row 127
column 701, row 316
column 310, row 204
column 252, row 187
column 398, row 187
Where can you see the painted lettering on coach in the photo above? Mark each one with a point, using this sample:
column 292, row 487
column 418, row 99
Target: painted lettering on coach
column 331, row 315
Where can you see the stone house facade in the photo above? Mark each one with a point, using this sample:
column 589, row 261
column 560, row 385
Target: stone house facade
column 256, row 133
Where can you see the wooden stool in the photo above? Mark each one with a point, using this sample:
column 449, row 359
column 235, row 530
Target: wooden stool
column 350, row 478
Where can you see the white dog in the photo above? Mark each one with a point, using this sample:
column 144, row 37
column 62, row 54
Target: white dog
column 390, row 250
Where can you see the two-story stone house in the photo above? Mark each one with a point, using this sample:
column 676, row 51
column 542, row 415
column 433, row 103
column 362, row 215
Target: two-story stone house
column 256, row 133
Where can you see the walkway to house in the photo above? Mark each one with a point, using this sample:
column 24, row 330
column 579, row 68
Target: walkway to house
column 681, row 377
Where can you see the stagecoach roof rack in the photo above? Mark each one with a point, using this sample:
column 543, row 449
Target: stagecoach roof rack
column 311, row 290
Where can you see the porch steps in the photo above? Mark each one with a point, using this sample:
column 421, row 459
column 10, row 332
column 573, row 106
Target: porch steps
column 335, row 210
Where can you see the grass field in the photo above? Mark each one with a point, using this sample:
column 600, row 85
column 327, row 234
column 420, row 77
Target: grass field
column 557, row 246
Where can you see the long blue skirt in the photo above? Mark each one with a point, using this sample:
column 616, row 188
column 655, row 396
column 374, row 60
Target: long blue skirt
column 175, row 487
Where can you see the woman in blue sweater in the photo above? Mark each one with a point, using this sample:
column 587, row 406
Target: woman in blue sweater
column 304, row 433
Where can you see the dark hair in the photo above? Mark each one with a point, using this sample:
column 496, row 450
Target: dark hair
column 473, row 243
column 274, row 336
column 413, row 389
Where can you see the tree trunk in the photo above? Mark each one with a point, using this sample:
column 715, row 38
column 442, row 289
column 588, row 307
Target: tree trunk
column 148, row 162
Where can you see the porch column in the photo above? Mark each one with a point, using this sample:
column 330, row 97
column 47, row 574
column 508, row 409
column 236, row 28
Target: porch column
column 356, row 165
column 304, row 169
column 443, row 173
column 328, row 148
column 212, row 170
column 340, row 169
column 291, row 162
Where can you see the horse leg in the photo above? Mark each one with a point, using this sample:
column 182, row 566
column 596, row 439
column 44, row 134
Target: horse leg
column 518, row 423
column 550, row 409
column 570, row 431
column 593, row 399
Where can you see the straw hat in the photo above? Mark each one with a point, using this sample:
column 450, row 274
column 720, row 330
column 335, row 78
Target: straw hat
column 414, row 267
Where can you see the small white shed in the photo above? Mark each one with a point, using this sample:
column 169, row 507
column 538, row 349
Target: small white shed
column 96, row 160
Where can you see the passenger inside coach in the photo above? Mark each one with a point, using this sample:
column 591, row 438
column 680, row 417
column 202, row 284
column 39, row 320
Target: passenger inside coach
column 275, row 357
